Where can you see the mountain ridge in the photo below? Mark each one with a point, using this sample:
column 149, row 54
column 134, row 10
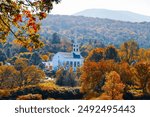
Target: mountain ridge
column 114, row 15
column 104, row 30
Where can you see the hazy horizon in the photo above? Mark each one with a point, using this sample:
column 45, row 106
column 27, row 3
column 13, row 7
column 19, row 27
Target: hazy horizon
column 70, row 7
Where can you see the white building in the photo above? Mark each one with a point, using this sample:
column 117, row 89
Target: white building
column 68, row 59
column 48, row 65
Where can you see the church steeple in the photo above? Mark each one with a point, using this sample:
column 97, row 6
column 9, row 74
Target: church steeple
column 76, row 49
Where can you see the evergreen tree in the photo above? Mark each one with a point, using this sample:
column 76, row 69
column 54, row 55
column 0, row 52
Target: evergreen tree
column 55, row 38
column 35, row 58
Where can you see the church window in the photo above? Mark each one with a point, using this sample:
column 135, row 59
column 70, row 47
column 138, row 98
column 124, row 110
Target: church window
column 67, row 63
column 78, row 64
column 75, row 64
column 71, row 63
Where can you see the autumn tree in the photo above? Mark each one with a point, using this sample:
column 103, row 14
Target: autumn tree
column 130, row 51
column 111, row 53
column 24, row 17
column 93, row 75
column 27, row 75
column 20, row 64
column 66, row 77
column 147, row 55
column 44, row 57
column 141, row 54
column 8, row 77
column 96, row 55
column 113, row 87
column 32, row 75
column 70, row 78
column 85, row 49
column 60, row 77
column 26, row 55
column 143, row 74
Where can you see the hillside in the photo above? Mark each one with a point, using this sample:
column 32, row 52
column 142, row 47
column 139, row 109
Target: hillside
column 115, row 15
column 106, row 31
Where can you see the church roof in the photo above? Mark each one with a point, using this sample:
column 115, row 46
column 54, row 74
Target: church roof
column 70, row 55
column 76, row 56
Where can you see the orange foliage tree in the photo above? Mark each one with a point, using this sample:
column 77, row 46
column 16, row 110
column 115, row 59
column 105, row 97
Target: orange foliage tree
column 129, row 51
column 113, row 87
column 44, row 57
column 96, row 55
column 111, row 53
column 143, row 74
column 94, row 74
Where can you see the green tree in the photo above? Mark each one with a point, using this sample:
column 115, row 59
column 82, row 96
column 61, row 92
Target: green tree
column 35, row 59
column 3, row 56
column 55, row 38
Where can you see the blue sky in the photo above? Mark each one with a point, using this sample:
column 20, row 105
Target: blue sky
column 68, row 7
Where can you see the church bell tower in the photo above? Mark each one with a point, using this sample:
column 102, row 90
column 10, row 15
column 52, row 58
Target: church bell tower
column 76, row 49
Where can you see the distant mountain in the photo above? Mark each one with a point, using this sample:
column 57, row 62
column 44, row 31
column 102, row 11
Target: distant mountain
column 88, row 29
column 115, row 15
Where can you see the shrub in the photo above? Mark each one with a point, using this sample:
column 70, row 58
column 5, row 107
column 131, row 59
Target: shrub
column 4, row 93
column 30, row 97
column 48, row 86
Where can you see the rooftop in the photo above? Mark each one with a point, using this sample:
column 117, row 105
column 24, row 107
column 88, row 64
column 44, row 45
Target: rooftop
column 70, row 55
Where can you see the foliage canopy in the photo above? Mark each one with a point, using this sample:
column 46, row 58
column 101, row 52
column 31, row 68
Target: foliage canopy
column 21, row 18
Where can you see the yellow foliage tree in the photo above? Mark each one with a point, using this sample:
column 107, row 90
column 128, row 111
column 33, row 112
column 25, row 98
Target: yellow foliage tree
column 8, row 77
column 45, row 57
column 20, row 64
column 24, row 15
column 143, row 74
column 129, row 51
column 32, row 75
column 113, row 88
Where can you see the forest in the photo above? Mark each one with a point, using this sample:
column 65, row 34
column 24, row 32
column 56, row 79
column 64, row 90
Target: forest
column 108, row 73
column 105, row 31
column 116, row 55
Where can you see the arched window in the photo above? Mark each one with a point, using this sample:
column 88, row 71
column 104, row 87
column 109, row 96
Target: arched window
column 75, row 64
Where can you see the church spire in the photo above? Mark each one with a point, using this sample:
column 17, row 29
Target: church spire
column 76, row 49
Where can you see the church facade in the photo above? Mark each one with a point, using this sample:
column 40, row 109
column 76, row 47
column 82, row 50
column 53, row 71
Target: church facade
column 68, row 59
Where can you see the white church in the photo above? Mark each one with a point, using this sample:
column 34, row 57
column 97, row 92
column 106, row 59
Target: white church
column 66, row 59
